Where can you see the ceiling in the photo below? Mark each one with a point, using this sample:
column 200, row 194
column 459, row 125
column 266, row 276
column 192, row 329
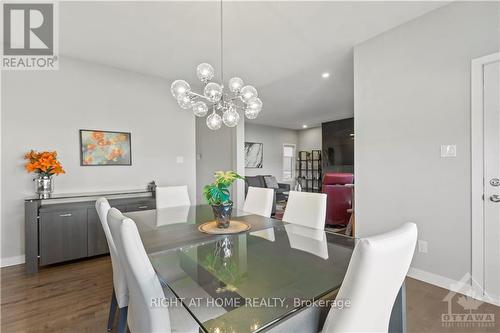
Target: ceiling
column 281, row 48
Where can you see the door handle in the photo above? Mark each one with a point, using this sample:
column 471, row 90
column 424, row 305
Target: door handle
column 495, row 198
column 65, row 215
column 142, row 207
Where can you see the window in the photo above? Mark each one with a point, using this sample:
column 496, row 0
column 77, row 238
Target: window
column 288, row 161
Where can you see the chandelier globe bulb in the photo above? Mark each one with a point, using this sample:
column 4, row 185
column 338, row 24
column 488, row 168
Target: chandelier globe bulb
column 214, row 121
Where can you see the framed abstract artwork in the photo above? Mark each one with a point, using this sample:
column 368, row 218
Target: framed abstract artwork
column 105, row 148
column 254, row 154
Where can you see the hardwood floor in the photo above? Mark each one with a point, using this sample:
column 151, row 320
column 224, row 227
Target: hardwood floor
column 75, row 297
column 65, row 298
column 425, row 306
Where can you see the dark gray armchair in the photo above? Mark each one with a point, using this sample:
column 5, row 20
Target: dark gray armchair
column 268, row 181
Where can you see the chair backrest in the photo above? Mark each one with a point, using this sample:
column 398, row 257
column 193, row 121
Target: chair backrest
column 172, row 196
column 307, row 209
column 143, row 284
column 339, row 197
column 375, row 274
column 259, row 201
column 119, row 282
column 172, row 215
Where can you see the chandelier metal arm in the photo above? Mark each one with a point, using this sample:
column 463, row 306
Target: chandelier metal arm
column 230, row 99
column 192, row 93
column 227, row 100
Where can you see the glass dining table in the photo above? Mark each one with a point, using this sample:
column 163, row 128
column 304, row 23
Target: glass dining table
column 246, row 282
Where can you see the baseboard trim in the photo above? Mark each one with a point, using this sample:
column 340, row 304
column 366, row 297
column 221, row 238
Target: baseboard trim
column 434, row 279
column 12, row 261
column 449, row 284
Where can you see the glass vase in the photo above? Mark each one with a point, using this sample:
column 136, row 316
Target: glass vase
column 222, row 214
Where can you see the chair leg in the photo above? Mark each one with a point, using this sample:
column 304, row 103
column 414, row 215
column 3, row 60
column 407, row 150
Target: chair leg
column 122, row 320
column 112, row 310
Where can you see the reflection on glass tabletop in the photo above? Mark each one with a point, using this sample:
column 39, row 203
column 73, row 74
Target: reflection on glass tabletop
column 245, row 282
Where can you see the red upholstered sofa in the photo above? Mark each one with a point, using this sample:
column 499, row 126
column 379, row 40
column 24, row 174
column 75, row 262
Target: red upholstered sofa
column 339, row 198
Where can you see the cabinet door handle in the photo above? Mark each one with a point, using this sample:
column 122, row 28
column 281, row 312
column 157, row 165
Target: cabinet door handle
column 142, row 207
column 65, row 215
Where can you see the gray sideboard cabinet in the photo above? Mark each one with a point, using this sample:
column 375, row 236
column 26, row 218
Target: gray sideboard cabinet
column 62, row 234
column 67, row 227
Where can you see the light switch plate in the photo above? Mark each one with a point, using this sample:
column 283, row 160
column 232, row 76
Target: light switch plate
column 180, row 159
column 448, row 151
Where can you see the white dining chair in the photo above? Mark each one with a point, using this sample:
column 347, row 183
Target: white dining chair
column 307, row 209
column 172, row 196
column 259, row 201
column 376, row 272
column 143, row 284
column 119, row 297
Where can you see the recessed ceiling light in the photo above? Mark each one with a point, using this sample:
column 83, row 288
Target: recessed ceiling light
column 304, row 126
column 325, row 75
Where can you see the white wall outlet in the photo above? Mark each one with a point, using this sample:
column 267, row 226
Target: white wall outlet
column 422, row 246
column 448, row 151
column 180, row 159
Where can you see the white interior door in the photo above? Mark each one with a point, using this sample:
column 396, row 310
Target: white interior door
column 491, row 139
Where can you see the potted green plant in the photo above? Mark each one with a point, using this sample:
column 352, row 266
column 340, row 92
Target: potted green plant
column 218, row 196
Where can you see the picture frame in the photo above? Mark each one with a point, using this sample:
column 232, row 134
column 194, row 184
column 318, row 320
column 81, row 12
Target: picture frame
column 105, row 148
column 254, row 155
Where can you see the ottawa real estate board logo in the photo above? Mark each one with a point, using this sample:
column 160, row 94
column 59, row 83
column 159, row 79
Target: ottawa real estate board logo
column 30, row 36
column 464, row 307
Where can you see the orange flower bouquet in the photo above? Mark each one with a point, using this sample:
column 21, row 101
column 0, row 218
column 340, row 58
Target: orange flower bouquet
column 45, row 164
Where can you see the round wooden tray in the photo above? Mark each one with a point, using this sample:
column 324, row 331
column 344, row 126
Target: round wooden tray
column 234, row 228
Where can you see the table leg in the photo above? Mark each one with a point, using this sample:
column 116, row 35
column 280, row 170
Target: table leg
column 397, row 323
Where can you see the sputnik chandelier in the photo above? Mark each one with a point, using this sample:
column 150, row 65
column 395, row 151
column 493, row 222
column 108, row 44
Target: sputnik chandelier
column 239, row 97
column 215, row 98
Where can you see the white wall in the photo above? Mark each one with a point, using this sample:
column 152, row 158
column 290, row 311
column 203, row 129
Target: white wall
column 273, row 139
column 310, row 139
column 213, row 153
column 412, row 94
column 43, row 110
